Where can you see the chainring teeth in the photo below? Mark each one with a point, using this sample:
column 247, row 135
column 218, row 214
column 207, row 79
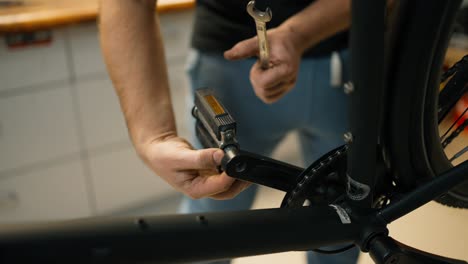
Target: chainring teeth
column 296, row 196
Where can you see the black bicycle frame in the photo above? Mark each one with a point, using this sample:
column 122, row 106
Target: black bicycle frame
column 367, row 72
column 210, row 236
column 195, row 237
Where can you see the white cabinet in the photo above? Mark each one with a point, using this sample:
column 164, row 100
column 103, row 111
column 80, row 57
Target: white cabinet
column 103, row 122
column 181, row 101
column 33, row 65
column 36, row 127
column 176, row 29
column 57, row 192
column 63, row 140
column 121, row 180
column 86, row 52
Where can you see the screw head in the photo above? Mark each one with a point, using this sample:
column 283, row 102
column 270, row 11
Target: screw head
column 348, row 137
column 348, row 87
column 240, row 166
column 229, row 135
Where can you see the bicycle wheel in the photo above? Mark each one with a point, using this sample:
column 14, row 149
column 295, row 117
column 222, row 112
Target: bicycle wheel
column 419, row 36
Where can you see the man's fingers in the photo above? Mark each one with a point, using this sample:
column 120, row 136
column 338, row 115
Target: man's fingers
column 281, row 87
column 271, row 77
column 205, row 186
column 237, row 187
column 271, row 95
column 199, row 159
column 242, row 50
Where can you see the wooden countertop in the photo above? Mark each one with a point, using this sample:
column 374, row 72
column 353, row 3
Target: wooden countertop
column 29, row 15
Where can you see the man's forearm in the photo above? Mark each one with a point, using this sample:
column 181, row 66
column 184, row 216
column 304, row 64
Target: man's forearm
column 133, row 50
column 318, row 21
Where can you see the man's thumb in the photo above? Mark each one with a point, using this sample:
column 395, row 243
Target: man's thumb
column 243, row 50
column 209, row 158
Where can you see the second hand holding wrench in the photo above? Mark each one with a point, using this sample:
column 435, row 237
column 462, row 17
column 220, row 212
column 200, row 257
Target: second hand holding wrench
column 261, row 18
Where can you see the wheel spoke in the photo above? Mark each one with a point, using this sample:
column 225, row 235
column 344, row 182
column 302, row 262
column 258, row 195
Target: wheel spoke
column 455, row 133
column 454, row 123
column 459, row 154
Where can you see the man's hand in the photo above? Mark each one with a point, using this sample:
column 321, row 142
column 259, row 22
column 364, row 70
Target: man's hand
column 320, row 20
column 192, row 172
column 273, row 83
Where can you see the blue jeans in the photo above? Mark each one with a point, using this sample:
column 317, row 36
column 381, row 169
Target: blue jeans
column 313, row 108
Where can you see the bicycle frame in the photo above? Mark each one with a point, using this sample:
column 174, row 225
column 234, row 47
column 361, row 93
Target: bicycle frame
column 210, row 236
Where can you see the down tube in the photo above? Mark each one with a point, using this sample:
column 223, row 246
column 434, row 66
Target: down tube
column 177, row 238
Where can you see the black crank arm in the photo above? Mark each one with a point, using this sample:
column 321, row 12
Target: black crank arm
column 261, row 170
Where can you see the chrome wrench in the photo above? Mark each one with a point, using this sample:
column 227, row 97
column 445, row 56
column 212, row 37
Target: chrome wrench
column 261, row 18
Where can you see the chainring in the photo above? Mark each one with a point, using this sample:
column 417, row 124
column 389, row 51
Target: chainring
column 322, row 182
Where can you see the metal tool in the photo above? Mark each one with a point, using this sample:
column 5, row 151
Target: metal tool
column 261, row 18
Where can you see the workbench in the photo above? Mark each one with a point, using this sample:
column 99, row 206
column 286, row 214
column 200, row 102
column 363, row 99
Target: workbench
column 28, row 15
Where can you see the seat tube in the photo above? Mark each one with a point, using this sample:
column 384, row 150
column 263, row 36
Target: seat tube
column 367, row 72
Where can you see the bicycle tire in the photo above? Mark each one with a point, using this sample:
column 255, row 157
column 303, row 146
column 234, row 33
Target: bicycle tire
column 419, row 36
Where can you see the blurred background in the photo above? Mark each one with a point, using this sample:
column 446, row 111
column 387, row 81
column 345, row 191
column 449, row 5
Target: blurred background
column 64, row 147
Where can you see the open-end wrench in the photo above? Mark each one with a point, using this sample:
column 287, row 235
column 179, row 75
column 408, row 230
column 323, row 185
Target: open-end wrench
column 261, row 18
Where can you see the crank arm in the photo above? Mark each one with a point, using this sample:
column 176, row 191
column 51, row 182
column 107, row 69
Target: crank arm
column 259, row 169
